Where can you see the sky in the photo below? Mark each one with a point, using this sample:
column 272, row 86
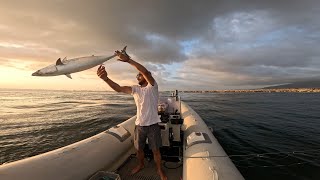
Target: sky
column 187, row 45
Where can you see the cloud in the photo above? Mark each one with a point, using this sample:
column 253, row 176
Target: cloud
column 212, row 44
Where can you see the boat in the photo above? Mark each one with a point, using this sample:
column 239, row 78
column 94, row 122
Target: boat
column 189, row 151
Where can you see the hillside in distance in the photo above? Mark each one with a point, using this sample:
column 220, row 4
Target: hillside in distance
column 302, row 84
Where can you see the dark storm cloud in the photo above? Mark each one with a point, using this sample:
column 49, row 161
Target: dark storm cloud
column 260, row 42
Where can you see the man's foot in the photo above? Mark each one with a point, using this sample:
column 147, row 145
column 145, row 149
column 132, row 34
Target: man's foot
column 162, row 175
column 137, row 169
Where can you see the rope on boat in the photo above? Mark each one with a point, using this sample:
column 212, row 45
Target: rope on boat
column 286, row 154
column 257, row 155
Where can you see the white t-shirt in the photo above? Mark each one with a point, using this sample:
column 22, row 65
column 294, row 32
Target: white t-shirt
column 146, row 99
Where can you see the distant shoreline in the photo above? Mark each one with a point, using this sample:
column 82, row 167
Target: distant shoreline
column 287, row 90
column 278, row 90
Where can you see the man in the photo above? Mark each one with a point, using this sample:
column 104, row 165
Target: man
column 146, row 99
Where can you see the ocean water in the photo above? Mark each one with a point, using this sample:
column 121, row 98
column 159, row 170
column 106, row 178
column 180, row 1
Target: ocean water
column 267, row 135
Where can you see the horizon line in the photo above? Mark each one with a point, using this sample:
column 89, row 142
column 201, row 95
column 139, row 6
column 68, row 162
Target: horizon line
column 265, row 89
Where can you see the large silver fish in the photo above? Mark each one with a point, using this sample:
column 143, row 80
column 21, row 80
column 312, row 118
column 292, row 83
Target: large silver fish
column 68, row 66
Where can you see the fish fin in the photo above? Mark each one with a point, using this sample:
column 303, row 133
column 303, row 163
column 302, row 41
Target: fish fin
column 59, row 62
column 65, row 58
column 69, row 76
column 123, row 51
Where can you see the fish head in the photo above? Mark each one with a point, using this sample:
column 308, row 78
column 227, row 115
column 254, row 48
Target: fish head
column 37, row 73
column 47, row 71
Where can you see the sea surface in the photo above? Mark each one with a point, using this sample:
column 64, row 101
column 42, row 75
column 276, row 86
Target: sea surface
column 267, row 135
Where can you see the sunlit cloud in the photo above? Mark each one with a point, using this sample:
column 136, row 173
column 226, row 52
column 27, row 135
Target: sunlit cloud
column 208, row 45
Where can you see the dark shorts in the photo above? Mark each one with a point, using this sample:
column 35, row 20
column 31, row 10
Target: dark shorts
column 152, row 133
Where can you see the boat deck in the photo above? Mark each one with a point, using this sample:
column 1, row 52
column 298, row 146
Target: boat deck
column 173, row 170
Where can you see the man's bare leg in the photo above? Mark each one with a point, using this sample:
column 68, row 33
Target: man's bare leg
column 140, row 165
column 157, row 159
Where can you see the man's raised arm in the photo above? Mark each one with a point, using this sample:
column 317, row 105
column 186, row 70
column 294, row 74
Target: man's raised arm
column 146, row 74
column 102, row 73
